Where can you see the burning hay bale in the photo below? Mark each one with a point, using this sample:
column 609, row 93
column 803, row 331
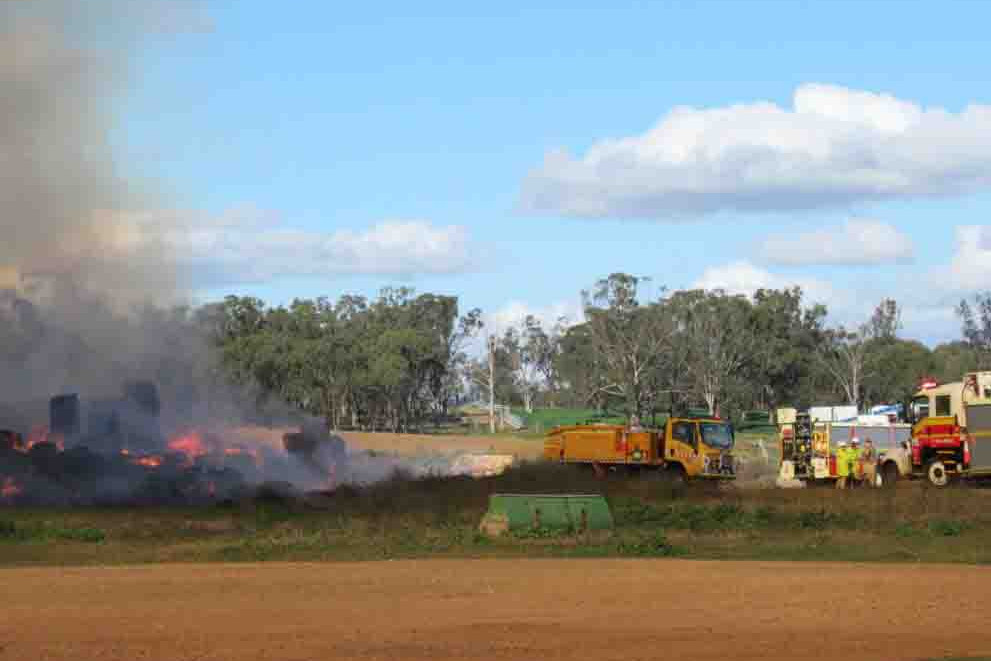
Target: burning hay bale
column 9, row 441
column 323, row 453
column 189, row 466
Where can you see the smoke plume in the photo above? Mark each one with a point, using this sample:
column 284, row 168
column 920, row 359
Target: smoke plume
column 88, row 290
column 73, row 273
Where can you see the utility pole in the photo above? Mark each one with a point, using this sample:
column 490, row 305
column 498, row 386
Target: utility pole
column 491, row 341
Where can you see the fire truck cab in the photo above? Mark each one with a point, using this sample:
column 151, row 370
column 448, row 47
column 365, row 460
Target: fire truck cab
column 951, row 431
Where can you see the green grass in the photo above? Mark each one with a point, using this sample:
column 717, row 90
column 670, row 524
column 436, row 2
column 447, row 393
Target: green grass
column 541, row 420
column 435, row 517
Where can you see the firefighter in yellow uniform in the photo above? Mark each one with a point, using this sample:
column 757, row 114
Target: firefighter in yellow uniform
column 856, row 469
column 842, row 466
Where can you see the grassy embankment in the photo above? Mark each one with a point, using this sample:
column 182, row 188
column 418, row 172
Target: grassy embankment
column 435, row 517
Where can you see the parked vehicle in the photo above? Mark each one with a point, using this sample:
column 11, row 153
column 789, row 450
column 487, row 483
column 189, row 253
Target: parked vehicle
column 685, row 448
column 809, row 448
column 951, row 434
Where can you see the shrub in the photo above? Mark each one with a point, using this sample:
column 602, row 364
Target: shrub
column 947, row 527
column 652, row 546
column 7, row 529
column 92, row 535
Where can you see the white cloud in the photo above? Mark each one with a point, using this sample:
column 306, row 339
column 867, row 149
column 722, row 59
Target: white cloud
column 859, row 241
column 246, row 245
column 970, row 268
column 984, row 237
column 743, row 277
column 928, row 311
column 833, row 147
column 512, row 313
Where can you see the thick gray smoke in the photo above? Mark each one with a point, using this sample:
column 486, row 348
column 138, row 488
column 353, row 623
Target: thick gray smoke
column 66, row 263
column 87, row 286
column 61, row 191
column 73, row 271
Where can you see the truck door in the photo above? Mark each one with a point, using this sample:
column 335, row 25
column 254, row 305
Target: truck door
column 683, row 447
column 979, row 428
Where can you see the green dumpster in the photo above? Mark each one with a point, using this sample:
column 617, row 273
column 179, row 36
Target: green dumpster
column 573, row 512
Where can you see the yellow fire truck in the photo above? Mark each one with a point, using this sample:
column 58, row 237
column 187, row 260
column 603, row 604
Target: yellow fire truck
column 684, row 448
column 809, row 447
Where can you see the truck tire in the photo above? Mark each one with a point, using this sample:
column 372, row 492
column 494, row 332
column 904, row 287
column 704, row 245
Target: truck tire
column 673, row 475
column 936, row 475
column 889, row 475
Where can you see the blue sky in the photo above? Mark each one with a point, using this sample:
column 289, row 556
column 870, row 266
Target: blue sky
column 324, row 117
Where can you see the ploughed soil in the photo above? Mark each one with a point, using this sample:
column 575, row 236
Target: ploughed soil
column 495, row 609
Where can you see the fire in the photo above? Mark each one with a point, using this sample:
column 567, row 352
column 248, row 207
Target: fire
column 9, row 488
column 148, row 460
column 190, row 444
column 40, row 434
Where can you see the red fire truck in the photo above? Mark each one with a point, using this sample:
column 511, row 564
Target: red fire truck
column 951, row 431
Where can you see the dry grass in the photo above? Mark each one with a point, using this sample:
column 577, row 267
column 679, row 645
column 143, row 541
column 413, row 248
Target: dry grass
column 418, row 445
column 437, row 517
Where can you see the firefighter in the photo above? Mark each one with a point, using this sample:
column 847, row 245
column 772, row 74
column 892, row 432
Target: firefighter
column 853, row 456
column 868, row 463
column 842, row 466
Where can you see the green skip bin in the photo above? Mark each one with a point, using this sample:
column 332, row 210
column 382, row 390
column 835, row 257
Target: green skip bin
column 573, row 512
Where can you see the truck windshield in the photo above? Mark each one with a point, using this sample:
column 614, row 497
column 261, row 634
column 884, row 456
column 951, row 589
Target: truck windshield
column 920, row 408
column 717, row 435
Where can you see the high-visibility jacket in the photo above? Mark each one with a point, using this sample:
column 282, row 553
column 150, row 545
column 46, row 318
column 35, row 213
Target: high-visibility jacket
column 854, row 459
column 844, row 459
column 842, row 467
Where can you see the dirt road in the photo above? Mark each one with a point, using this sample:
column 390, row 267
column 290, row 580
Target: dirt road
column 525, row 610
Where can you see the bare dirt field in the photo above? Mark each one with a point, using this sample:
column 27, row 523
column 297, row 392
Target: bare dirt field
column 408, row 445
column 424, row 444
column 494, row 609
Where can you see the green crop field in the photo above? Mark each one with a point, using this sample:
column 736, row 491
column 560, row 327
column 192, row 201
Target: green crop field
column 438, row 517
column 541, row 420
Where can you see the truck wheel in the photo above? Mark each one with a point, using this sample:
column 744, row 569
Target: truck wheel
column 889, row 476
column 674, row 476
column 936, row 474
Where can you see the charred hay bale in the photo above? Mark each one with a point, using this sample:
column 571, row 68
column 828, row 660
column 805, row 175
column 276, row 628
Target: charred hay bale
column 81, row 462
column 45, row 457
column 9, row 440
column 314, row 441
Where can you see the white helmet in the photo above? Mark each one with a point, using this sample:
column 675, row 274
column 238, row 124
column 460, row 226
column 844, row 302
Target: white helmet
column 842, row 444
column 855, row 441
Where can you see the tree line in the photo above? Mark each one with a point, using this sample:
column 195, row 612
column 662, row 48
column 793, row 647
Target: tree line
column 389, row 363
column 401, row 360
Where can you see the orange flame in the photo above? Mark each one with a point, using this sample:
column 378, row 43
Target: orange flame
column 40, row 434
column 9, row 488
column 190, row 444
column 148, row 460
